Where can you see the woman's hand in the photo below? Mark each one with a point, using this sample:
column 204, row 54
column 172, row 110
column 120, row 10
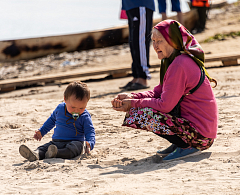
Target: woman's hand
column 122, row 105
column 117, row 101
column 122, row 96
column 37, row 136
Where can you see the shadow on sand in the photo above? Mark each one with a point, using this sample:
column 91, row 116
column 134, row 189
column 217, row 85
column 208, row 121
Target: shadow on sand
column 151, row 163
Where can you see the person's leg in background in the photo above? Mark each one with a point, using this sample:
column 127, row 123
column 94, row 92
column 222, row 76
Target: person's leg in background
column 162, row 6
column 176, row 7
column 149, row 25
column 201, row 23
column 202, row 12
column 180, row 18
column 164, row 15
column 145, row 28
column 137, row 21
column 131, row 25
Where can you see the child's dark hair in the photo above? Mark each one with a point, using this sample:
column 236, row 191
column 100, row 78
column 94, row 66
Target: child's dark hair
column 78, row 89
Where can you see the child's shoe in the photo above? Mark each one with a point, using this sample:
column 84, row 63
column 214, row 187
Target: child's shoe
column 166, row 151
column 51, row 152
column 181, row 153
column 28, row 154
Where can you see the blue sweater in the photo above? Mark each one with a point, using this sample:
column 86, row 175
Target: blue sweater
column 64, row 131
column 130, row 4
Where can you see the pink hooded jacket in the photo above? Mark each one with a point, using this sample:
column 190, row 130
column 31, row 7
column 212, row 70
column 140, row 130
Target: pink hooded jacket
column 200, row 108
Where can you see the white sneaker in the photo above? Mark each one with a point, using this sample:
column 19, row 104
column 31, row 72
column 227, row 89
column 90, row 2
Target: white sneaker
column 28, row 154
column 51, row 152
column 84, row 148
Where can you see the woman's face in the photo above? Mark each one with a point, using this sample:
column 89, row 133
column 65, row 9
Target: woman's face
column 160, row 45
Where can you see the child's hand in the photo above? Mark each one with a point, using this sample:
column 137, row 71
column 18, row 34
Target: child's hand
column 37, row 136
column 87, row 148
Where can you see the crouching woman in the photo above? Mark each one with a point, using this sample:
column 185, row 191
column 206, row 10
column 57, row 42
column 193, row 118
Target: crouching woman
column 182, row 108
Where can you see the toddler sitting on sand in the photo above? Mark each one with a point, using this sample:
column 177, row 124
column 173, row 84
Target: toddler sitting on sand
column 73, row 127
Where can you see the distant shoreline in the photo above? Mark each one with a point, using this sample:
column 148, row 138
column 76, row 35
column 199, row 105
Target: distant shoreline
column 48, row 18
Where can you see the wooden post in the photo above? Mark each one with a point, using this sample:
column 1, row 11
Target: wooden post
column 230, row 62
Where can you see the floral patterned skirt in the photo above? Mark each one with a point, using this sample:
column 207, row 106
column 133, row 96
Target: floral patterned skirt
column 165, row 124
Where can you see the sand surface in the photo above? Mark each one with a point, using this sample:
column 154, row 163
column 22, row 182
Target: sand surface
column 123, row 160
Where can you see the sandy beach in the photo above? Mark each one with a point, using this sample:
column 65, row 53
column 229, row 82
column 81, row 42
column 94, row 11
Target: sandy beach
column 123, row 161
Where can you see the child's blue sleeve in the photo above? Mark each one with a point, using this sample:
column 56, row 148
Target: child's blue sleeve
column 49, row 123
column 89, row 131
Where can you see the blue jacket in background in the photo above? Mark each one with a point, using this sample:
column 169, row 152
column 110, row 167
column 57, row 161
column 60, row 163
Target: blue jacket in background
column 130, row 4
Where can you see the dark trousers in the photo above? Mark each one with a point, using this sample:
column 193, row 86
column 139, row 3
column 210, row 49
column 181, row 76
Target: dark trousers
column 174, row 139
column 66, row 149
column 140, row 27
column 202, row 13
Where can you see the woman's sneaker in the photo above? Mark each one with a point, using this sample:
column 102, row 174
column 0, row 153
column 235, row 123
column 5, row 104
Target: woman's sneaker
column 166, row 151
column 28, row 154
column 51, row 152
column 181, row 153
